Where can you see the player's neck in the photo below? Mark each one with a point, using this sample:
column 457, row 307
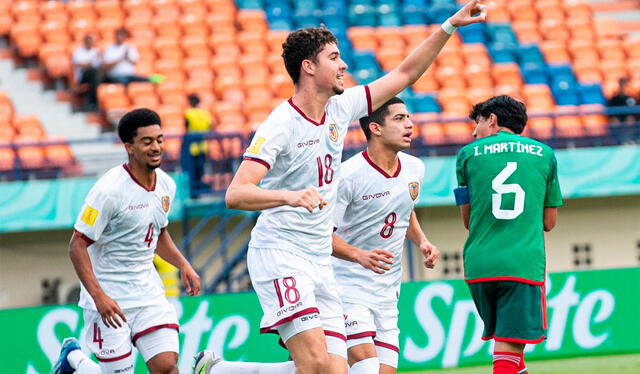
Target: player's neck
column 311, row 102
column 142, row 174
column 384, row 157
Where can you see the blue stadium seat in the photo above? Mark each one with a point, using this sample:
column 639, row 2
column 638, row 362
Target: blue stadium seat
column 535, row 74
column 438, row 13
column 529, row 54
column 362, row 15
column 280, row 24
column 500, row 32
column 474, row 33
column 304, row 18
column 591, row 93
column 424, row 103
column 413, row 15
column 250, row 4
column 501, row 52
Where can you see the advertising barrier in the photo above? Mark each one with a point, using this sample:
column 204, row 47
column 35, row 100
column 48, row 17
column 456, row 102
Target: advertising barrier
column 590, row 313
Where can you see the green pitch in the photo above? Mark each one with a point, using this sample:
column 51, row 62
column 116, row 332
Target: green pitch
column 624, row 364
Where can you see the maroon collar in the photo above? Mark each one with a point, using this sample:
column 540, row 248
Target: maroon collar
column 155, row 178
column 324, row 115
column 384, row 173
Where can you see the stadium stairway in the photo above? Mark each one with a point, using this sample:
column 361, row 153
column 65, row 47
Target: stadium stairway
column 58, row 120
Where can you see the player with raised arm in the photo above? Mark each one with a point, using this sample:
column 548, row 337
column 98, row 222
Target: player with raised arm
column 290, row 172
column 508, row 197
column 374, row 213
column 122, row 225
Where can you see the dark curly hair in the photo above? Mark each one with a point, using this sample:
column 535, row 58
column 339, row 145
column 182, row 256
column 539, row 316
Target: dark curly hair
column 511, row 113
column 133, row 120
column 304, row 44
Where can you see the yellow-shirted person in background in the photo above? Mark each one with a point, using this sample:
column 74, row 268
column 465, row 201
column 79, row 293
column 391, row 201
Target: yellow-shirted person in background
column 197, row 120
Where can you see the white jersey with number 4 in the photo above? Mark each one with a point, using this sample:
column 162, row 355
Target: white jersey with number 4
column 373, row 212
column 302, row 153
column 122, row 219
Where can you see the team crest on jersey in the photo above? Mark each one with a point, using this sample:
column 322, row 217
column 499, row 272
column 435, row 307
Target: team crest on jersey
column 414, row 190
column 333, row 132
column 166, row 202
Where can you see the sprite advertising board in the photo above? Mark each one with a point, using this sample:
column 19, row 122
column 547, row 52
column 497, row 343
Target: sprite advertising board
column 590, row 313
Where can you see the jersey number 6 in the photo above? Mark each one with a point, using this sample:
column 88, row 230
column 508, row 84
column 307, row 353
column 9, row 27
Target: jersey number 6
column 501, row 188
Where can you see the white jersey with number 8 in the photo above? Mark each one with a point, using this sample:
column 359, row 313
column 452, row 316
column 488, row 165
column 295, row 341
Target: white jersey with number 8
column 121, row 220
column 373, row 212
column 301, row 153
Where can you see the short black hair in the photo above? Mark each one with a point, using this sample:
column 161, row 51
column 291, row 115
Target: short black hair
column 133, row 120
column 511, row 113
column 304, row 44
column 193, row 99
column 378, row 116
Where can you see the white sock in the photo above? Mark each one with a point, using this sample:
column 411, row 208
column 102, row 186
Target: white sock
column 229, row 367
column 366, row 366
column 83, row 364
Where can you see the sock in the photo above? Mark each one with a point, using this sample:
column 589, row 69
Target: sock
column 506, row 362
column 522, row 368
column 228, row 367
column 366, row 366
column 83, row 364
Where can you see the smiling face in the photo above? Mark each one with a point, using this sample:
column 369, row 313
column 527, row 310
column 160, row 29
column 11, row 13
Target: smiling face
column 328, row 69
column 397, row 128
column 147, row 147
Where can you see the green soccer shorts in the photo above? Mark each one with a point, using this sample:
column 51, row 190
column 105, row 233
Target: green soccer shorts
column 512, row 312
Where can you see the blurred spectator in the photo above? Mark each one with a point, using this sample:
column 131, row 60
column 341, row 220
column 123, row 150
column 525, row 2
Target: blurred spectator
column 621, row 99
column 119, row 61
column 198, row 121
column 86, row 63
column 622, row 126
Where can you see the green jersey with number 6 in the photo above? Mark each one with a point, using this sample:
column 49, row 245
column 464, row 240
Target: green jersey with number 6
column 511, row 179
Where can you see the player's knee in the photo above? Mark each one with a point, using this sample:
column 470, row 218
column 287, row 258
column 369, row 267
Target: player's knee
column 163, row 364
column 314, row 364
column 164, row 369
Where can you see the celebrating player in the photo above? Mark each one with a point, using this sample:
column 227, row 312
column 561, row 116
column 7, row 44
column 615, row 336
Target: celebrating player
column 122, row 225
column 508, row 194
column 374, row 213
column 290, row 172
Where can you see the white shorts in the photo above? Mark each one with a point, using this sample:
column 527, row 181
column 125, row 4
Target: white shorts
column 157, row 323
column 296, row 295
column 377, row 326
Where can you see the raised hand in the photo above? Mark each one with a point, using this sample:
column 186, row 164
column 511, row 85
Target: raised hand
column 377, row 260
column 309, row 198
column 467, row 15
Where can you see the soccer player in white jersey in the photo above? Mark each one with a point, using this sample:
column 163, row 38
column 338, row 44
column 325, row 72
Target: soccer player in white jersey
column 122, row 225
column 374, row 213
column 290, row 172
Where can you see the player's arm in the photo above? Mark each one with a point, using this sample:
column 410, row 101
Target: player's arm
column 377, row 260
column 412, row 68
column 167, row 249
column 245, row 194
column 106, row 306
column 550, row 216
column 464, row 213
column 417, row 236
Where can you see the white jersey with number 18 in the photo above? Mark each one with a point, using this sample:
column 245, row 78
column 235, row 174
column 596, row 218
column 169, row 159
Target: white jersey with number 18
column 373, row 211
column 121, row 220
column 302, row 153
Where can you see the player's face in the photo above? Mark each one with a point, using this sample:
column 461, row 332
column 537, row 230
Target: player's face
column 398, row 128
column 330, row 69
column 147, row 147
column 485, row 126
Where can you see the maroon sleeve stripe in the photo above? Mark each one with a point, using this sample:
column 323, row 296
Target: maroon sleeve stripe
column 369, row 104
column 263, row 162
column 83, row 237
column 386, row 345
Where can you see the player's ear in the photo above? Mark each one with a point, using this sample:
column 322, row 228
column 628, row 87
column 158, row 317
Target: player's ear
column 129, row 148
column 308, row 67
column 375, row 128
column 493, row 120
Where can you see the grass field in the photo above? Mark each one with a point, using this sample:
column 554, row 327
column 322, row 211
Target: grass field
column 623, row 364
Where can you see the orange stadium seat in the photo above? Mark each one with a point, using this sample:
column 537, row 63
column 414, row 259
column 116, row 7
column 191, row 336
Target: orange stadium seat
column 555, row 52
column 607, row 27
column 568, row 122
column 507, row 74
column 540, row 127
column 595, row 122
column 7, row 157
